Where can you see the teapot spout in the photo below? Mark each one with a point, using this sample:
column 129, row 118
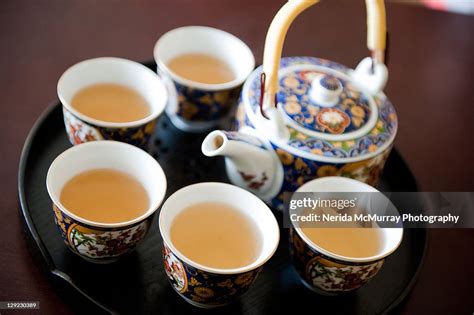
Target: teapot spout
column 249, row 163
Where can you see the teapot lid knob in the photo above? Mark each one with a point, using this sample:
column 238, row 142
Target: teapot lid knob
column 325, row 90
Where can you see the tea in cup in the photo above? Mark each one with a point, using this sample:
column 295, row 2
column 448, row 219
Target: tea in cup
column 104, row 195
column 336, row 258
column 111, row 99
column 204, row 69
column 216, row 238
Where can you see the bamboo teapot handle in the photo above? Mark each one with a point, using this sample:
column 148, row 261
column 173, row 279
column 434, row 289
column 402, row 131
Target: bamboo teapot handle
column 376, row 42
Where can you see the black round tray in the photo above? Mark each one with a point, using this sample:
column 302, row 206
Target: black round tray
column 138, row 284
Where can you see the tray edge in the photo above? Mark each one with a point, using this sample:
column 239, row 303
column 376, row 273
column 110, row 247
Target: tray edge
column 25, row 212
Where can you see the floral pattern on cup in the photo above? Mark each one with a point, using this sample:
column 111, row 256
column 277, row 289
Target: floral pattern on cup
column 197, row 105
column 79, row 132
column 174, row 270
column 99, row 244
column 327, row 274
column 202, row 288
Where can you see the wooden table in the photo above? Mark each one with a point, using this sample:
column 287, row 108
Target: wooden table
column 431, row 73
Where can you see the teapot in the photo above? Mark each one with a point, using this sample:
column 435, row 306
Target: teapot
column 301, row 118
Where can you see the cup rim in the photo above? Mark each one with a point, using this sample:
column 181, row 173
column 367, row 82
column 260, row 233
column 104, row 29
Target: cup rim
column 107, row 124
column 362, row 187
column 84, row 146
column 198, row 85
column 256, row 264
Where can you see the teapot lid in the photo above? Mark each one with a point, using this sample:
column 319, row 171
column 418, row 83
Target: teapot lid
column 325, row 111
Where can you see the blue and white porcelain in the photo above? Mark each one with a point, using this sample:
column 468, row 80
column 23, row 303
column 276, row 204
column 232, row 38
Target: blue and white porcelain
column 195, row 106
column 322, row 119
column 205, row 286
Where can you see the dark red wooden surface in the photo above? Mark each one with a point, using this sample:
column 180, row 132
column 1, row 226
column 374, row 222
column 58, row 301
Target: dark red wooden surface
column 431, row 80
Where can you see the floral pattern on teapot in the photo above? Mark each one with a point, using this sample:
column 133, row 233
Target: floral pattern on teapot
column 355, row 108
column 298, row 170
column 352, row 112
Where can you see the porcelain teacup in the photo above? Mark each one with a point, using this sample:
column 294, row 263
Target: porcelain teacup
column 328, row 273
column 195, row 106
column 95, row 241
column 82, row 128
column 201, row 285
